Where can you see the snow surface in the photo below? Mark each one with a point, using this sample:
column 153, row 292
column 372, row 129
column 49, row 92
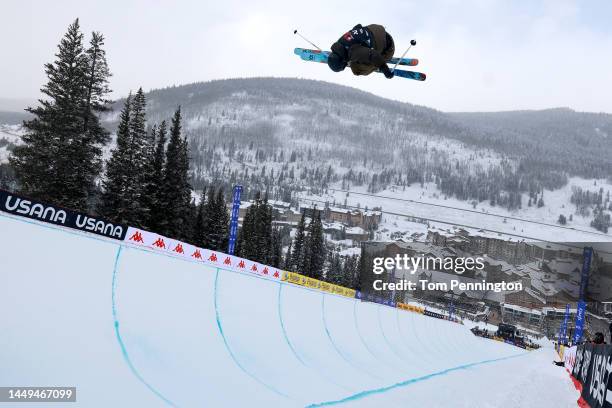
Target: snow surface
column 133, row 328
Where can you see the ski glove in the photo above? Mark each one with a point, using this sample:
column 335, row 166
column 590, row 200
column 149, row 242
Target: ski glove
column 385, row 70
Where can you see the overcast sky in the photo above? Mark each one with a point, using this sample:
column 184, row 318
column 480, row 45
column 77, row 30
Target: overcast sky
column 479, row 55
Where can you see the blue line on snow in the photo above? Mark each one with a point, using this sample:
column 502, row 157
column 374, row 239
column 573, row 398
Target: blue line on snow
column 282, row 324
column 359, row 332
column 229, row 350
column 382, row 331
column 331, row 340
column 368, row 393
column 322, row 373
column 124, row 351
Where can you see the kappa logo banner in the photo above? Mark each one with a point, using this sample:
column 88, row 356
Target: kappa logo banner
column 151, row 240
column 593, row 369
column 18, row 205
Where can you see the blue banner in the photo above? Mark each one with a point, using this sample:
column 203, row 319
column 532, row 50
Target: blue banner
column 587, row 254
column 564, row 325
column 580, row 312
column 234, row 219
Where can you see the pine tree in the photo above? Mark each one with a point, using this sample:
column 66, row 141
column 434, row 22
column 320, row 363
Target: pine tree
column 157, row 210
column 350, row 271
column 315, row 254
column 334, row 271
column 246, row 244
column 140, row 156
column 215, row 217
column 149, row 193
column 276, row 253
column 176, row 190
column 255, row 236
column 298, row 244
column 263, row 222
column 222, row 220
column 207, row 219
column 287, row 261
column 199, row 225
column 60, row 157
column 123, row 199
column 113, row 204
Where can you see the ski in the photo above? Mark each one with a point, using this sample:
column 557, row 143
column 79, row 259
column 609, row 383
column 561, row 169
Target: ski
column 417, row 76
column 321, row 56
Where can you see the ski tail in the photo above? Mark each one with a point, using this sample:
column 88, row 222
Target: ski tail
column 417, row 76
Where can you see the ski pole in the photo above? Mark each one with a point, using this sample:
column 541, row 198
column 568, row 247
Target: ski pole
column 412, row 42
column 306, row 39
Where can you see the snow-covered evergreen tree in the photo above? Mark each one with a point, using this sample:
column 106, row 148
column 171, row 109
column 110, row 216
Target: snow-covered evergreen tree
column 113, row 204
column 276, row 253
column 333, row 268
column 176, row 189
column 156, row 212
column 199, row 224
column 124, row 185
column 222, row 220
column 213, row 228
column 255, row 239
column 287, row 261
column 315, row 254
column 298, row 245
column 60, row 157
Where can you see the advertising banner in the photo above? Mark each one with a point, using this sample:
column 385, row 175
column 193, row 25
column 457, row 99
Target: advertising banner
column 569, row 357
column 312, row 283
column 374, row 297
column 410, row 308
column 156, row 242
column 434, row 314
column 24, row 207
column 587, row 255
column 233, row 232
column 580, row 316
column 563, row 328
column 593, row 368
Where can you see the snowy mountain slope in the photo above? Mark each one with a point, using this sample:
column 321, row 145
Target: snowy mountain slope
column 10, row 136
column 161, row 331
column 299, row 137
column 483, row 215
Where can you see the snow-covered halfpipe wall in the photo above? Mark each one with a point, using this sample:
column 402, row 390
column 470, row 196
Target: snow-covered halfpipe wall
column 132, row 325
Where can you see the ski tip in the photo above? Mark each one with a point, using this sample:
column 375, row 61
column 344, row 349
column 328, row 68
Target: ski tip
column 414, row 62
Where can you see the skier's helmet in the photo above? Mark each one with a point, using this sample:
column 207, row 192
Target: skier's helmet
column 335, row 62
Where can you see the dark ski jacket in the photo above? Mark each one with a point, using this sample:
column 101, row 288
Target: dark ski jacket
column 365, row 48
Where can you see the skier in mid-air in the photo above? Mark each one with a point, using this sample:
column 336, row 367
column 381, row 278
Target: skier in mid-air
column 364, row 49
